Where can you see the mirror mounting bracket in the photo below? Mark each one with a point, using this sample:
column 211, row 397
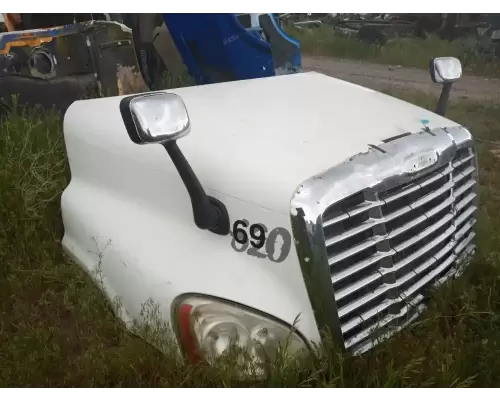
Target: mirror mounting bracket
column 446, row 71
column 162, row 118
column 209, row 212
column 443, row 98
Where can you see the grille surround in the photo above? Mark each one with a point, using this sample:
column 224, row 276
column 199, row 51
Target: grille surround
column 380, row 188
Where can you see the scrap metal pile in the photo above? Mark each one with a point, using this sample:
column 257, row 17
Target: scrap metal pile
column 378, row 28
column 54, row 59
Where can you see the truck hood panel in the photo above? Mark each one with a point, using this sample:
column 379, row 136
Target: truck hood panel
column 255, row 140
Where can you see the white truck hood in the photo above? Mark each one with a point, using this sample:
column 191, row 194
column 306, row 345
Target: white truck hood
column 255, row 140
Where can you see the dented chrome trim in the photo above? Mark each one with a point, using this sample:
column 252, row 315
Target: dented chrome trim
column 380, row 168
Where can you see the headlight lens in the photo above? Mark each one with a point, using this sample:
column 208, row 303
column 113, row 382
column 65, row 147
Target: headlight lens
column 208, row 328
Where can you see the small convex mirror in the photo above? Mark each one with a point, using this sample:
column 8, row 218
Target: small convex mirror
column 155, row 117
column 445, row 69
column 161, row 117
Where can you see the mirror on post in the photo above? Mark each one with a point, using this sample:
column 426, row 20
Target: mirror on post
column 446, row 71
column 163, row 118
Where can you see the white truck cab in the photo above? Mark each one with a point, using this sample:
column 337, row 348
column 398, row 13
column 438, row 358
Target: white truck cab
column 298, row 200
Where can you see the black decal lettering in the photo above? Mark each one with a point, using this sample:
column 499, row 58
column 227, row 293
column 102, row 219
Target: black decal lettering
column 258, row 234
column 239, row 234
column 254, row 244
column 240, row 248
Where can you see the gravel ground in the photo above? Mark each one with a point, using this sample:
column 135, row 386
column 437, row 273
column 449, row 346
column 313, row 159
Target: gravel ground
column 379, row 77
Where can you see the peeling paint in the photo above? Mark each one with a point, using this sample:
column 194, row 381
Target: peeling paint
column 82, row 60
column 129, row 80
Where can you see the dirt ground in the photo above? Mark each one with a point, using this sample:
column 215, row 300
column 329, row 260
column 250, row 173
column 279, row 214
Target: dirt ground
column 380, row 77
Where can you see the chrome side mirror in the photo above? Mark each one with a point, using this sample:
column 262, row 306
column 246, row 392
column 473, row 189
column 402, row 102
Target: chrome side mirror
column 162, row 118
column 445, row 71
column 155, row 117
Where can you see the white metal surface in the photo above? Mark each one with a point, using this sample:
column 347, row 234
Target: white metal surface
column 258, row 139
column 251, row 144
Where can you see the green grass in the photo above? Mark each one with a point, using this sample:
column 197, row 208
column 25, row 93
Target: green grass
column 180, row 79
column 404, row 51
column 56, row 329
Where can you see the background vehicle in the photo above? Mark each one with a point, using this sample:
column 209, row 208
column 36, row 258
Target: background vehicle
column 227, row 47
column 55, row 59
column 306, row 211
column 54, row 66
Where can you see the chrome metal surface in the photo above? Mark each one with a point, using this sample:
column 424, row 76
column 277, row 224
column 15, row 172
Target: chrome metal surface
column 376, row 233
column 446, row 69
column 159, row 117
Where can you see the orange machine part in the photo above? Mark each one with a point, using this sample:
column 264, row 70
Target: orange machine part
column 11, row 21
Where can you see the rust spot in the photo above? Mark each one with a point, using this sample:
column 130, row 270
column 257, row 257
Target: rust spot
column 25, row 41
column 129, row 81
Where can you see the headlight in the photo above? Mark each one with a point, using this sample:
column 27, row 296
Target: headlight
column 208, row 328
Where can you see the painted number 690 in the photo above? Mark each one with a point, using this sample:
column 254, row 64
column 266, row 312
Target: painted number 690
column 254, row 240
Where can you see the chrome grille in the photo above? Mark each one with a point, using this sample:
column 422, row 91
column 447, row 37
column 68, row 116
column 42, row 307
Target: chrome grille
column 387, row 249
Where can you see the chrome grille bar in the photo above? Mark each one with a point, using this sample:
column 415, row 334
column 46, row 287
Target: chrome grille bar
column 386, row 249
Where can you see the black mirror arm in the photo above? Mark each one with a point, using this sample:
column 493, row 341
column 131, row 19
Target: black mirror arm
column 209, row 213
column 443, row 98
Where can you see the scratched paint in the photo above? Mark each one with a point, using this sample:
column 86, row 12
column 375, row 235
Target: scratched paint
column 88, row 59
column 35, row 37
column 129, row 80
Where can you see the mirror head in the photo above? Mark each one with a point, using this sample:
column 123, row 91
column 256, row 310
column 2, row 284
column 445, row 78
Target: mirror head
column 445, row 69
column 155, row 117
